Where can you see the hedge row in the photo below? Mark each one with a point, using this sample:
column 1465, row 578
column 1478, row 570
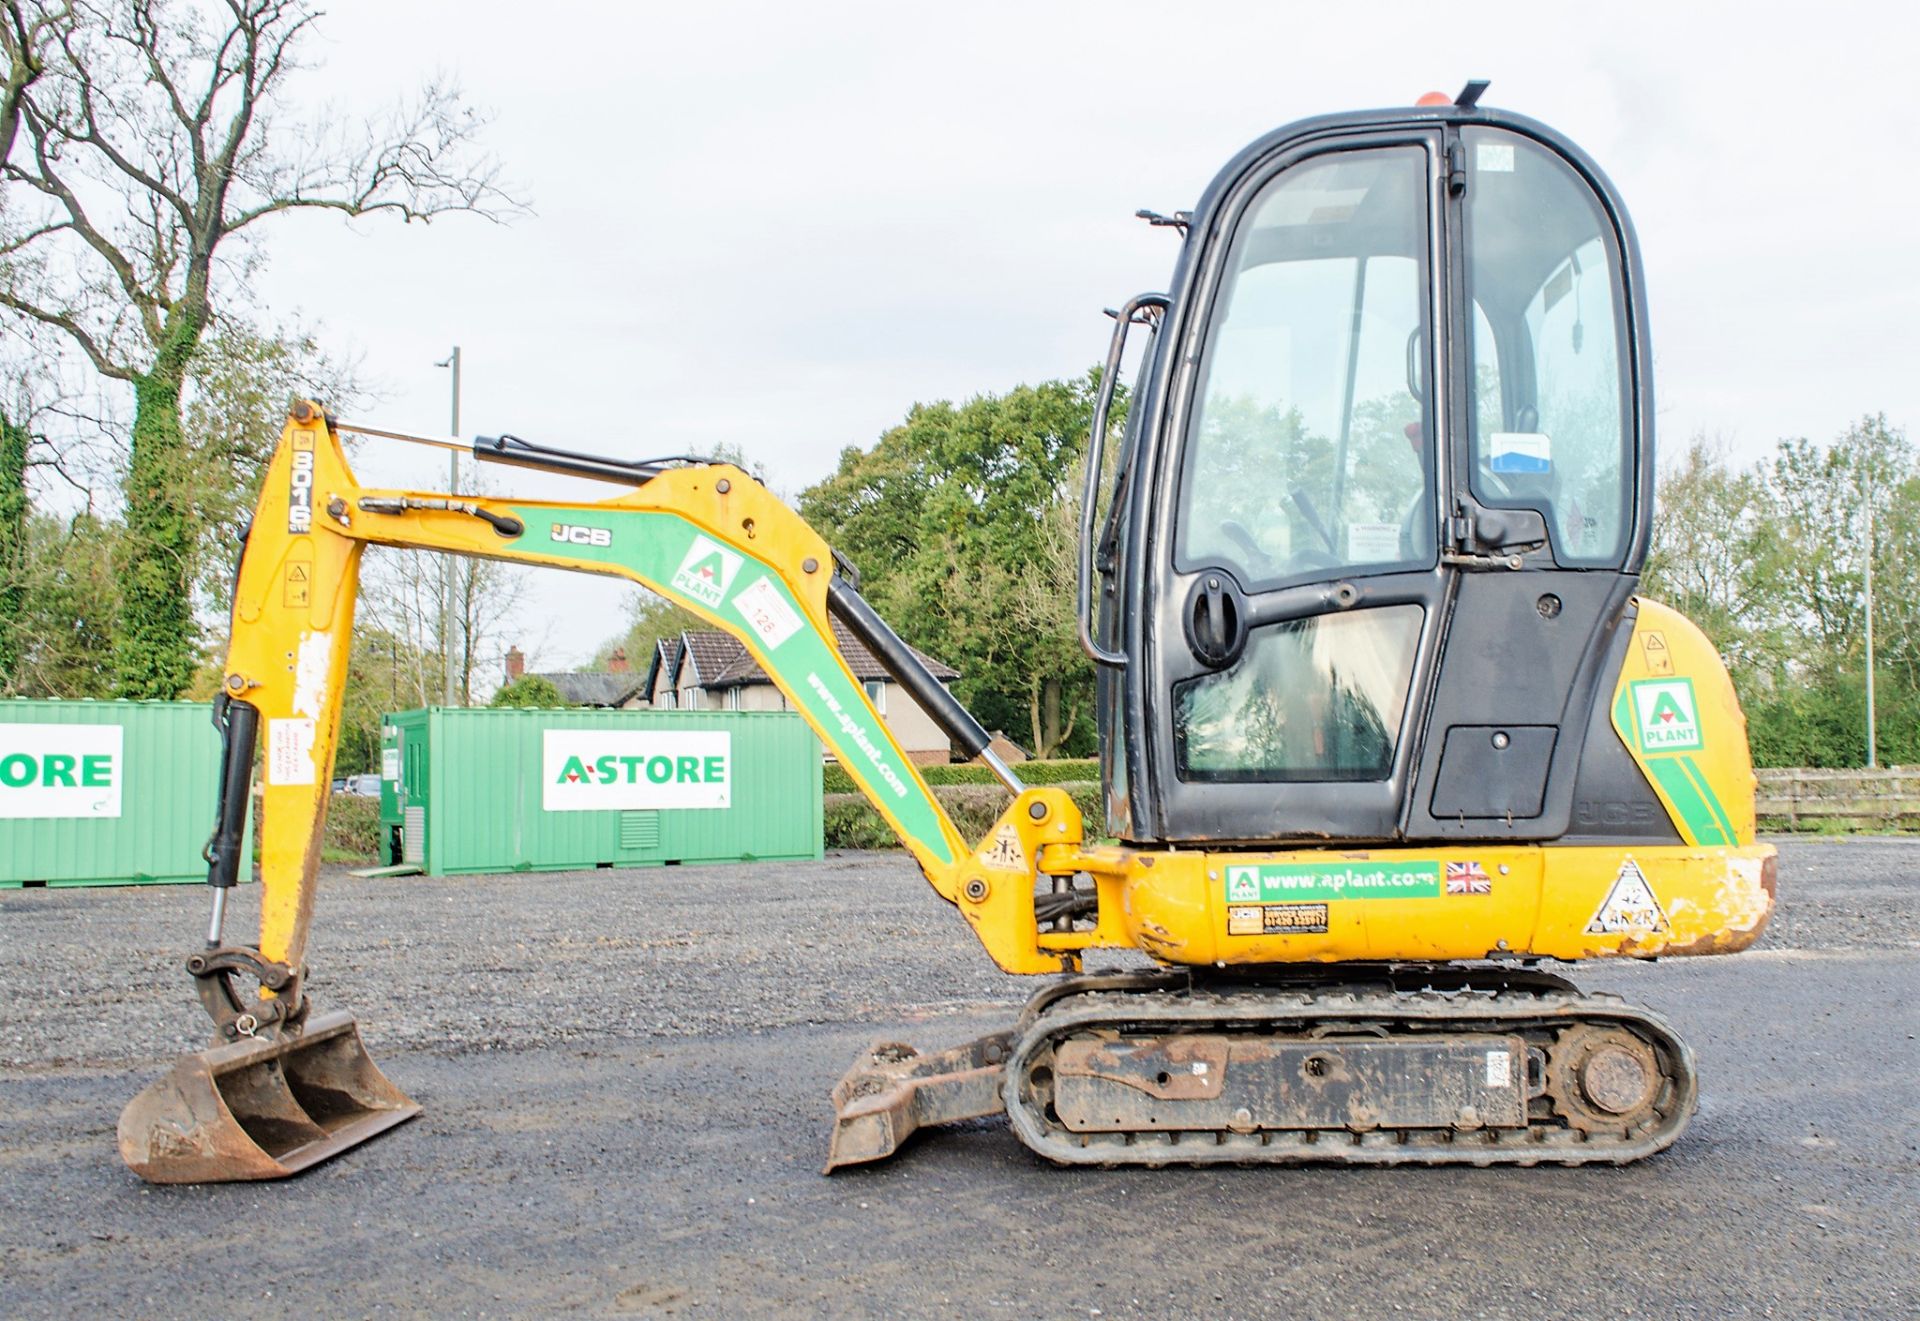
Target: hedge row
column 852, row 822
column 353, row 830
column 835, row 780
column 975, row 802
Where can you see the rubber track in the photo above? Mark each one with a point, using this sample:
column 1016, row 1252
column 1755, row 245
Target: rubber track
column 1528, row 1005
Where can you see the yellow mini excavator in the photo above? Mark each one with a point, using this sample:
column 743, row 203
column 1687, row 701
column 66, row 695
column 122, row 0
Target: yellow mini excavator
column 1383, row 723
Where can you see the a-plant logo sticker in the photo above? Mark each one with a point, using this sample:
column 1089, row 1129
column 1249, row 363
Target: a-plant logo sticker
column 60, row 770
column 1243, row 884
column 707, row 571
column 1665, row 715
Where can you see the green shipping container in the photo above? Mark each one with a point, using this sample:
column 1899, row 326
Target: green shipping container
column 106, row 793
column 489, row 790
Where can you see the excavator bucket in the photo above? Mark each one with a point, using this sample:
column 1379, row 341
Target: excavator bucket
column 893, row 1091
column 261, row 1108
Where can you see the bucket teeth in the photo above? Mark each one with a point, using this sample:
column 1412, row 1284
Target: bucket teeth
column 261, row 1109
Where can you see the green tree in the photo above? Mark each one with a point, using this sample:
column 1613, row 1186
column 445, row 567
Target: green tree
column 1715, row 557
column 156, row 140
column 650, row 620
column 26, row 31
column 68, row 590
column 954, row 519
column 529, row 690
column 1772, row 561
column 14, row 505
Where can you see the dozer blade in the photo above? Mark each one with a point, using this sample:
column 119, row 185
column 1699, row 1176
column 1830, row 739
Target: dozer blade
column 262, row 1108
column 893, row 1090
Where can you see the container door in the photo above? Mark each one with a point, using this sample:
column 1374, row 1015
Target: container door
column 413, row 799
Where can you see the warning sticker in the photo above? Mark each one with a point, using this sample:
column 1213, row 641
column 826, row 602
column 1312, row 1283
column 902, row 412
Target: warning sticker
column 768, row 612
column 1276, row 919
column 1629, row 905
column 299, row 586
column 1373, row 543
column 1654, row 646
column 290, row 752
column 1005, row 853
column 1494, row 157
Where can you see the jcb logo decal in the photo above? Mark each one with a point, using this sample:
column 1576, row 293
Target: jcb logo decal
column 574, row 535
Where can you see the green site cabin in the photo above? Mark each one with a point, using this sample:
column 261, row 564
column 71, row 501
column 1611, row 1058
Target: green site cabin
column 744, row 596
column 106, row 793
column 474, row 789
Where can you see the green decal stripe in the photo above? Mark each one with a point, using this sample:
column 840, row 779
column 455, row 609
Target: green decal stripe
column 1695, row 815
column 1679, row 778
column 650, row 547
column 1699, row 778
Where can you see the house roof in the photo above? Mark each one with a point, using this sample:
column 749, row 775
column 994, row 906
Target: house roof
column 666, row 653
column 720, row 661
column 592, row 688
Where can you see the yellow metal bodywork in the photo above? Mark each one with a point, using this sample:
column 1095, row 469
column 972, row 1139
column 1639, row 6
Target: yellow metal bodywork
column 292, row 628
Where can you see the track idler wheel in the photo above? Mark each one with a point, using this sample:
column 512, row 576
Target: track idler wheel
column 1603, row 1079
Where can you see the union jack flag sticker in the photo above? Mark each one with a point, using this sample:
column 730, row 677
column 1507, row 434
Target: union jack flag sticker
column 1468, row 878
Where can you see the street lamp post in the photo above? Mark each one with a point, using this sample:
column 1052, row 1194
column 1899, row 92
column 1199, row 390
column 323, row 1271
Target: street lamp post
column 1872, row 752
column 446, row 577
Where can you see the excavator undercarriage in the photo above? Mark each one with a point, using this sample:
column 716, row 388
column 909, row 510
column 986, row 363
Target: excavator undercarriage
column 1362, row 1066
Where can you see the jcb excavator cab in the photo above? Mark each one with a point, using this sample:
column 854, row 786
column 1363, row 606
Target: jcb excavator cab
column 1382, row 499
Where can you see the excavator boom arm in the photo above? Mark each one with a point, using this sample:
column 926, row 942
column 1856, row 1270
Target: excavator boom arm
column 708, row 537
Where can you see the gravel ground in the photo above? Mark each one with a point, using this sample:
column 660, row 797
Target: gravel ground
column 625, row 1077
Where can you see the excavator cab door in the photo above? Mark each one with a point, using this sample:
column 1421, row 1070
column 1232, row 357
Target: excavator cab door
column 1380, row 501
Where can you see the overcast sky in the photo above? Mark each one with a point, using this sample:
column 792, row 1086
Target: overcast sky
column 780, row 225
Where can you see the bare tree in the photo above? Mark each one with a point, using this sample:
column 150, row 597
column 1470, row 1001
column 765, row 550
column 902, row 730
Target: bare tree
column 155, row 139
column 25, row 33
column 26, row 30
column 400, row 595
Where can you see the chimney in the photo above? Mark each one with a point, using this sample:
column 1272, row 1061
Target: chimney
column 617, row 663
column 516, row 664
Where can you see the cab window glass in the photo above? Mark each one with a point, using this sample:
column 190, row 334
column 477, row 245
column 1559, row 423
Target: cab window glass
column 1310, row 699
column 1548, row 346
column 1306, row 454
